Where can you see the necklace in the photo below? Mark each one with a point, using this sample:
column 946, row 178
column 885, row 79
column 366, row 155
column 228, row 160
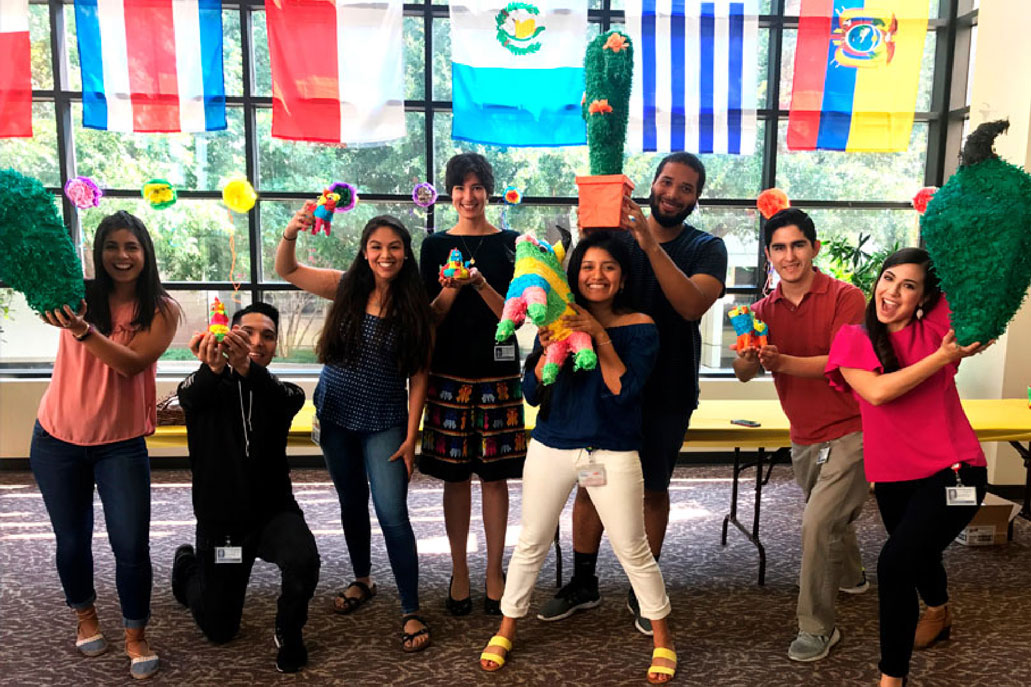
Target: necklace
column 471, row 254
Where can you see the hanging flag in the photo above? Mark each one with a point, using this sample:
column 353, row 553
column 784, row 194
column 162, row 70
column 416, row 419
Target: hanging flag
column 857, row 69
column 15, row 75
column 517, row 72
column 151, row 65
column 696, row 65
column 337, row 70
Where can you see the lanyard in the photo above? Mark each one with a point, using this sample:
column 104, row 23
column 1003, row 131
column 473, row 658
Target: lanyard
column 955, row 468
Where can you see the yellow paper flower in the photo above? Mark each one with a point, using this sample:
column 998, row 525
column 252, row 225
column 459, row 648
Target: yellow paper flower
column 239, row 196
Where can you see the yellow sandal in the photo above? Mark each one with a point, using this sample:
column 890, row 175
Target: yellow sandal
column 669, row 655
column 499, row 660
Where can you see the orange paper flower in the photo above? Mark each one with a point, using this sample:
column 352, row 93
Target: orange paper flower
column 615, row 43
column 599, row 107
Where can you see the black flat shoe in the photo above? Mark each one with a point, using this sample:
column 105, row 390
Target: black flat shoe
column 457, row 607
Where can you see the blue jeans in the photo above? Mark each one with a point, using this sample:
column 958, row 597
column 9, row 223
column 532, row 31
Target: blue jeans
column 356, row 462
column 66, row 474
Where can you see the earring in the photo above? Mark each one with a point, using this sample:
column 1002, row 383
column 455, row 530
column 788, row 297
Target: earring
column 920, row 313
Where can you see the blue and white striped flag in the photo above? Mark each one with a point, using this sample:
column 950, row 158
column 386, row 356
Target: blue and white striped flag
column 696, row 64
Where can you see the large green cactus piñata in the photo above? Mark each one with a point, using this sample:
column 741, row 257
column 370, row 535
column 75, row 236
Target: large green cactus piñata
column 977, row 228
column 37, row 257
column 608, row 73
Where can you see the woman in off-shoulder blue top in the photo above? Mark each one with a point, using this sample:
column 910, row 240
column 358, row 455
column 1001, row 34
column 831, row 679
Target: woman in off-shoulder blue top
column 588, row 431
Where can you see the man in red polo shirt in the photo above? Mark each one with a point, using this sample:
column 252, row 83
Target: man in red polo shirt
column 804, row 313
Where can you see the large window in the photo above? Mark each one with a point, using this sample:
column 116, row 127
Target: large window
column 848, row 194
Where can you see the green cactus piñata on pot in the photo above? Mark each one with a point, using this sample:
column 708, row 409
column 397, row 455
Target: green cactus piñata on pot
column 608, row 73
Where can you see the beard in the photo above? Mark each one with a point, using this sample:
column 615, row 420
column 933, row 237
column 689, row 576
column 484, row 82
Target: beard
column 669, row 221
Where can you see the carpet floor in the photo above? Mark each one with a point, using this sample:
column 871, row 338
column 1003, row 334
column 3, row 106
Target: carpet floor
column 729, row 631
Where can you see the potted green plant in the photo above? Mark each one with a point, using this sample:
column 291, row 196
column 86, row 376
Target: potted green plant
column 608, row 74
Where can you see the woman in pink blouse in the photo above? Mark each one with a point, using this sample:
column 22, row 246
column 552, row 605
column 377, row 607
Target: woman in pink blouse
column 919, row 447
column 90, row 428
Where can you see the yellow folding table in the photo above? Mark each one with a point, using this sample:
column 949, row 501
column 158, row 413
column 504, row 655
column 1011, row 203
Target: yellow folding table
column 711, row 427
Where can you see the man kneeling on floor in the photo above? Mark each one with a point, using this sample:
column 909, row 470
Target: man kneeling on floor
column 238, row 416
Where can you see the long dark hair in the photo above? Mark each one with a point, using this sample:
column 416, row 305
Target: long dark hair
column 150, row 294
column 407, row 308
column 621, row 303
column 618, row 250
column 877, row 330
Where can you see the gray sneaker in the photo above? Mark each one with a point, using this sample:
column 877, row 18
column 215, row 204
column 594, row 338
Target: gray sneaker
column 861, row 588
column 574, row 597
column 643, row 625
column 808, row 647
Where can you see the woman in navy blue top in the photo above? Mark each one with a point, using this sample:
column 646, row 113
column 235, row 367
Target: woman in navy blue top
column 377, row 338
column 588, row 431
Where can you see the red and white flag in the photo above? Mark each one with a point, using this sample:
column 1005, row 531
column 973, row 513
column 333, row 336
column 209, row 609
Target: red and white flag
column 15, row 74
column 337, row 70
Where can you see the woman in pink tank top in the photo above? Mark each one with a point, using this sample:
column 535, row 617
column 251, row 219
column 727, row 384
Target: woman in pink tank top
column 918, row 447
column 91, row 426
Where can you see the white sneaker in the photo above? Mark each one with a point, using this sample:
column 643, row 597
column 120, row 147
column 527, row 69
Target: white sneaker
column 808, row 647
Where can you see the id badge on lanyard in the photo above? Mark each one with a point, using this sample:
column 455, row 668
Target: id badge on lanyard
column 960, row 495
column 593, row 475
column 228, row 554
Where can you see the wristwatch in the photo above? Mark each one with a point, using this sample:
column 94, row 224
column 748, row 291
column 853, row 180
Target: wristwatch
column 85, row 335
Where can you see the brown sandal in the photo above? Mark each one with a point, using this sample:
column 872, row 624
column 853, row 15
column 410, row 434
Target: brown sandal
column 353, row 603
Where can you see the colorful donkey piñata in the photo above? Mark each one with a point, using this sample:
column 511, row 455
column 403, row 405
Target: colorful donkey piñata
column 751, row 331
column 539, row 289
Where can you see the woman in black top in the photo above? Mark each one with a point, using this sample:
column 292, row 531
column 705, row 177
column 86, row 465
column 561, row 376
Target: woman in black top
column 474, row 408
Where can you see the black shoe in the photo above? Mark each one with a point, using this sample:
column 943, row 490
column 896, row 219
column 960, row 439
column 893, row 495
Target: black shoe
column 184, row 555
column 492, row 606
column 292, row 656
column 575, row 596
column 455, row 606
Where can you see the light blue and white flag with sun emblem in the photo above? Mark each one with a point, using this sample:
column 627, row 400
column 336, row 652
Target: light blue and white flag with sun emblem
column 517, row 71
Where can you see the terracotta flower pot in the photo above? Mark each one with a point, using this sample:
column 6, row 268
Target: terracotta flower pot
column 601, row 199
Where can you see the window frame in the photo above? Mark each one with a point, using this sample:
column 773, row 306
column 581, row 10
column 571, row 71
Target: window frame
column 945, row 123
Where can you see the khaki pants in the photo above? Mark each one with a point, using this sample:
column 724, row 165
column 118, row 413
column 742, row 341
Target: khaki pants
column 835, row 492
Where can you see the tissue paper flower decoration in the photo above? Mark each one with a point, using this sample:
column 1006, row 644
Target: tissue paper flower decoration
column 771, row 201
column 83, row 192
column 159, row 193
column 512, row 195
column 38, row 258
column 239, row 196
column 424, row 194
column 923, row 197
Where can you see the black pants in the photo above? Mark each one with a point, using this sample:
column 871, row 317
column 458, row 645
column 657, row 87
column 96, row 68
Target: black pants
column 920, row 526
column 215, row 592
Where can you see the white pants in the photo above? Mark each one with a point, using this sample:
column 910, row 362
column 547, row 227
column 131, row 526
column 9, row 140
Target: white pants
column 548, row 476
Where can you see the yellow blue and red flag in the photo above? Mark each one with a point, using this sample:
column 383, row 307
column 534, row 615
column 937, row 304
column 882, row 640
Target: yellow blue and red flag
column 857, row 68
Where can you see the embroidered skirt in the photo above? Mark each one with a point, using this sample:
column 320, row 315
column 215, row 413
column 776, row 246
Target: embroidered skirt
column 473, row 426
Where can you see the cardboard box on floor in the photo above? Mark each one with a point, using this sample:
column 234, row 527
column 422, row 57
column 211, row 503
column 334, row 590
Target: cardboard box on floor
column 991, row 524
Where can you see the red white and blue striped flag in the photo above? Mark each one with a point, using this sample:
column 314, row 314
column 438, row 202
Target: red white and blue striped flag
column 696, row 67
column 15, row 75
column 151, row 65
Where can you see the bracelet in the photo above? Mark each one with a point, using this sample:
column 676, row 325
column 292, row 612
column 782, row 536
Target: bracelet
column 605, row 342
column 85, row 335
column 285, row 238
